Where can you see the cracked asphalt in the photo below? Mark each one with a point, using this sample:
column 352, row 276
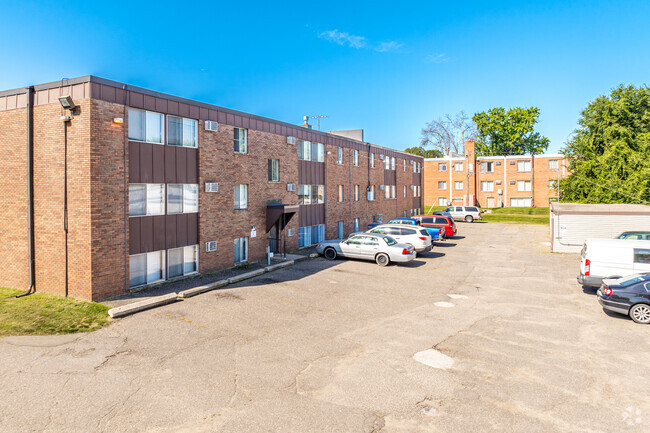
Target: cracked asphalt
column 328, row 347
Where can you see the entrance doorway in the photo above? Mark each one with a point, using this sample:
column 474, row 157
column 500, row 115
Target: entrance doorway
column 490, row 202
column 273, row 238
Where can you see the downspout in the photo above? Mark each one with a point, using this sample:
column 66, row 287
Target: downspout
column 30, row 193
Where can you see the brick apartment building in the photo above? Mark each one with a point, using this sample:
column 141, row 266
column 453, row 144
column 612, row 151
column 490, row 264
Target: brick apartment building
column 117, row 187
column 518, row 181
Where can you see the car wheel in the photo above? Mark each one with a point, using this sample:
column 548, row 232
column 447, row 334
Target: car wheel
column 469, row 219
column 382, row 259
column 330, row 253
column 640, row 313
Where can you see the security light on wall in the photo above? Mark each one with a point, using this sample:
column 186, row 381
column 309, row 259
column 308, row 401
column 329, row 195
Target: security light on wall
column 67, row 102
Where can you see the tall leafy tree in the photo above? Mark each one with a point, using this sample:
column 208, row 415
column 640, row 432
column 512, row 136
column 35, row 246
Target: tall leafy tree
column 426, row 153
column 508, row 132
column 609, row 153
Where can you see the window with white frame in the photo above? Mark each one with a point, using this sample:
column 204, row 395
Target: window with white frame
column 404, row 161
column 317, row 194
column 182, row 198
column 487, row 167
column 339, row 230
column 442, row 166
column 340, row 194
column 372, row 160
column 146, row 126
column 304, row 150
column 487, row 186
column 418, row 190
column 241, row 196
column 404, row 191
column 241, row 250
column 458, row 185
column 458, row 166
column 240, row 140
column 317, row 152
column 146, row 268
column 339, row 155
column 274, row 170
column 520, row 202
column 413, row 165
column 551, row 184
column 371, row 193
column 146, row 199
column 356, row 192
column 386, row 191
column 523, row 166
column 442, row 184
column 442, row 201
column 355, row 158
column 182, row 261
column 304, row 194
column 392, row 163
column 523, row 185
column 553, row 164
column 356, row 225
column 182, row 132
column 419, row 166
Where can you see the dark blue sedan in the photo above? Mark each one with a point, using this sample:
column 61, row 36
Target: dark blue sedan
column 628, row 295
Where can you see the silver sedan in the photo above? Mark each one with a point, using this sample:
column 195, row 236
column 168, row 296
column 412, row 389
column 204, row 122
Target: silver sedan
column 367, row 246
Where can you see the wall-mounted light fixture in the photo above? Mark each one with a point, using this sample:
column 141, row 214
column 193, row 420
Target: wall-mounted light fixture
column 67, row 102
column 118, row 120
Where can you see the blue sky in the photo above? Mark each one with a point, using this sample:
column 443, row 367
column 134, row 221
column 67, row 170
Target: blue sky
column 386, row 67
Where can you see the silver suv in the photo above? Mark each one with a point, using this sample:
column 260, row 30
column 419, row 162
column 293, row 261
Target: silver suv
column 467, row 213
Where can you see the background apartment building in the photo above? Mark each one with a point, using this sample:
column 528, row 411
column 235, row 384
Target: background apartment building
column 492, row 181
column 108, row 187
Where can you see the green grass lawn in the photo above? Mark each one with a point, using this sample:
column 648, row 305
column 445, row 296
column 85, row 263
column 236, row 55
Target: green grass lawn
column 510, row 215
column 43, row 314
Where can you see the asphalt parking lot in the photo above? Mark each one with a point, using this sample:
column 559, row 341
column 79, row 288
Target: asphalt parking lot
column 516, row 344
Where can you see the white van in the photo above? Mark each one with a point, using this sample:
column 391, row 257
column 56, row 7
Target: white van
column 612, row 258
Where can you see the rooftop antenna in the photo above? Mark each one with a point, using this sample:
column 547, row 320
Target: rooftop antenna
column 319, row 118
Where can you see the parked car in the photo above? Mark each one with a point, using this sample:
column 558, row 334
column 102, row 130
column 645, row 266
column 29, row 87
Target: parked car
column 634, row 236
column 467, row 213
column 367, row 246
column 629, row 295
column 447, row 224
column 416, row 236
column 436, row 233
column 612, row 258
column 443, row 213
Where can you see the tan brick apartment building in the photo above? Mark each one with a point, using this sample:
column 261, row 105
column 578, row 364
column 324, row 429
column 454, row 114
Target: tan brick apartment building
column 492, row 181
column 132, row 187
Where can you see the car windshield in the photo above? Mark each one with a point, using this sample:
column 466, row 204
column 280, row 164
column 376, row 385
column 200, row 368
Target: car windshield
column 632, row 279
column 389, row 240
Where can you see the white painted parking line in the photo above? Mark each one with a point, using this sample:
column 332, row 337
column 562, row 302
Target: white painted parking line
column 454, row 296
column 443, row 304
column 433, row 358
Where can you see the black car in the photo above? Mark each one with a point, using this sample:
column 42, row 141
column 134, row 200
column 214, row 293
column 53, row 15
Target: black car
column 628, row 295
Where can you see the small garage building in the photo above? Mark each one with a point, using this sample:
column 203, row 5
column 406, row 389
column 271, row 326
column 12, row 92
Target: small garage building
column 572, row 223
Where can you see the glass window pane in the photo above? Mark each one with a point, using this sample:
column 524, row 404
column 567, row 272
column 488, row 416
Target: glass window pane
column 190, row 198
column 174, row 199
column 155, row 199
column 175, row 257
column 314, row 194
column 244, row 196
column 154, row 127
column 190, row 133
column 237, row 196
column 174, row 131
column 189, row 264
column 136, row 124
column 237, row 250
column 137, row 205
column 137, row 270
column 154, row 266
column 243, row 140
column 314, row 235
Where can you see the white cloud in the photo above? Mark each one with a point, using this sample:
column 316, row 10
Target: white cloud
column 343, row 38
column 437, row 58
column 388, row 46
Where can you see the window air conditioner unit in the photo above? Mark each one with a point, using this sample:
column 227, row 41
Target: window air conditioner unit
column 291, row 187
column 210, row 246
column 512, row 182
column 211, row 187
column 499, row 191
column 290, row 232
column 381, row 156
column 498, row 182
column 498, row 162
column 211, row 125
column 291, row 140
column 512, row 162
column 412, row 186
column 381, row 187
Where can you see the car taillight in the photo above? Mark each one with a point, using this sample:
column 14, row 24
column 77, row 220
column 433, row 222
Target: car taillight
column 587, row 267
column 406, row 251
column 607, row 291
column 422, row 238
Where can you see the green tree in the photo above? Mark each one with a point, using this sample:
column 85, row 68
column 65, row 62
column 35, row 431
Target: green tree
column 510, row 132
column 609, row 153
column 426, row 153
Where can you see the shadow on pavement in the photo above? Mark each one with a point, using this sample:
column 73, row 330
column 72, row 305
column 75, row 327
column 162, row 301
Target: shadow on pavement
column 430, row 255
column 444, row 245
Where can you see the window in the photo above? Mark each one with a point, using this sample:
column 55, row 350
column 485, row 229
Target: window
column 317, row 233
column 523, row 165
column 182, row 198
column 551, row 184
column 182, row 261
column 355, row 158
column 487, row 167
column 523, row 185
column 414, row 166
column 240, row 140
column 182, row 132
column 641, row 255
column 304, row 150
column 317, row 152
column 356, row 192
column 241, row 196
column 339, row 155
column 308, row 151
column 340, row 198
column 304, row 236
column 442, row 184
column 145, row 126
column 241, row 250
column 404, row 165
column 389, row 191
column 458, row 166
column 393, row 191
column 392, row 163
column 404, row 191
column 553, row 164
column 356, row 225
column 372, row 160
column 146, row 268
column 304, row 194
column 339, row 230
column 419, row 167
column 442, row 166
column 520, row 202
column 458, row 185
column 442, row 201
column 146, row 199
column 317, row 194
column 487, row 186
column 418, row 190
column 274, row 170
column 371, row 193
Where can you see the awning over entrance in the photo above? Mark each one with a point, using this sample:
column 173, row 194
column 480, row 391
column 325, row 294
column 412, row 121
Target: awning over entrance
column 279, row 212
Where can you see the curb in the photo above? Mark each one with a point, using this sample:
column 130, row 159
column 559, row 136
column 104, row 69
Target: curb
column 125, row 310
column 278, row 266
column 245, row 276
column 202, row 289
